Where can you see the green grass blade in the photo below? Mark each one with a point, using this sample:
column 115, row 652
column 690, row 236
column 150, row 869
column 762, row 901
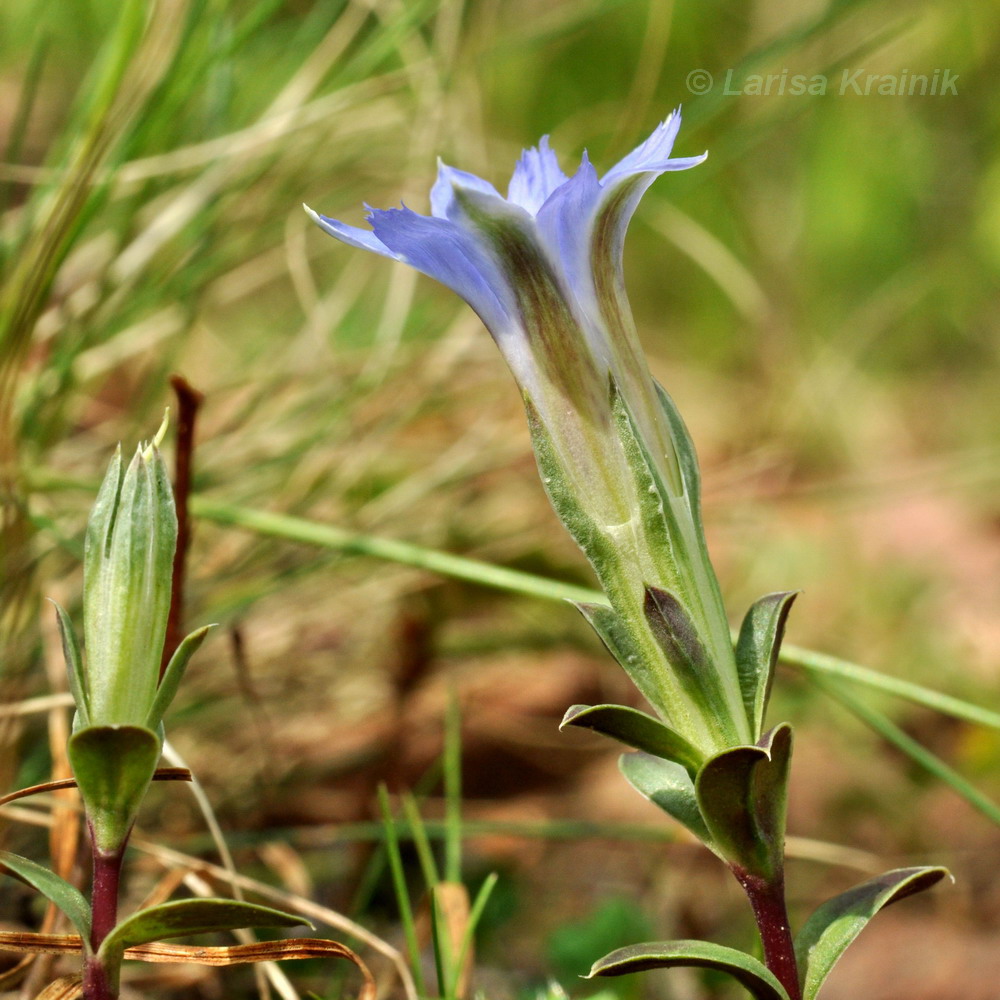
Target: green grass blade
column 327, row 536
column 298, row 529
column 453, row 790
column 422, row 843
column 475, row 914
column 516, row 581
column 399, row 885
column 821, row 663
column 441, row 940
column 917, row 752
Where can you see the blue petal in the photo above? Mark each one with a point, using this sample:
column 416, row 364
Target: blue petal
column 443, row 192
column 623, row 187
column 653, row 154
column 451, row 255
column 364, row 239
column 565, row 222
column 536, row 176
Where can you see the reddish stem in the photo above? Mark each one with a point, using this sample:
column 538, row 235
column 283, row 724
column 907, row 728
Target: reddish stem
column 105, row 886
column 188, row 401
column 767, row 899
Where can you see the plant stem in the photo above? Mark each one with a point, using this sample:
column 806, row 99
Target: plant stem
column 767, row 899
column 107, row 870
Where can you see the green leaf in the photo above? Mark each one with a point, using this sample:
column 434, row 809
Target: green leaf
column 669, row 786
column 74, row 665
column 173, row 675
column 742, row 794
column 677, row 635
column 757, row 652
column 635, row 729
column 837, row 922
column 745, row 969
column 67, row 897
column 113, row 766
column 190, row 916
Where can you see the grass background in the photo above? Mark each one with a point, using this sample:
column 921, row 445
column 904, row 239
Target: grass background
column 819, row 297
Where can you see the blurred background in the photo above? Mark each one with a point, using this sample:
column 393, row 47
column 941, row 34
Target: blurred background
column 820, row 298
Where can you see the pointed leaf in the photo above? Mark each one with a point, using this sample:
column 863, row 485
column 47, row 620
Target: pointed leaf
column 635, row 729
column 113, row 766
column 748, row 971
column 757, row 652
column 669, row 786
column 678, row 637
column 190, row 916
column 837, row 922
column 74, row 665
column 68, row 898
column 742, row 795
column 173, row 675
column 615, row 635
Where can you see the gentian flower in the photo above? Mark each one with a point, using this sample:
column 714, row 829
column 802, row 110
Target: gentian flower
column 543, row 270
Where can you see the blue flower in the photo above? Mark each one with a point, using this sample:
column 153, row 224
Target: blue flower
column 543, row 270
column 542, row 267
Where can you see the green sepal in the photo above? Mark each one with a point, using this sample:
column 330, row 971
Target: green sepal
column 669, row 786
column 653, row 493
column 68, row 898
column 835, row 924
column 186, row 916
column 113, row 766
column 745, row 969
column 74, row 666
column 677, row 635
column 742, row 794
column 757, row 651
column 617, row 637
column 173, row 675
column 635, row 729
column 687, row 460
column 562, row 493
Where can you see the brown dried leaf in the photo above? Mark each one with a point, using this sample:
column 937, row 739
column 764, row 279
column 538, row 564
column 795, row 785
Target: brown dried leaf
column 453, row 900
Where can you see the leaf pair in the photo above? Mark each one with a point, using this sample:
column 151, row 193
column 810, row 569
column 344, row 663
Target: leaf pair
column 113, row 764
column 820, row 944
column 80, row 681
column 735, row 803
column 156, row 923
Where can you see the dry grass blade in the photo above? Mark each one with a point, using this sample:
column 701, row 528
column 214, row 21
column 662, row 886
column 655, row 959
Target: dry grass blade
column 63, row 988
column 161, row 774
column 289, row 901
column 453, row 905
column 27, row 943
column 220, row 956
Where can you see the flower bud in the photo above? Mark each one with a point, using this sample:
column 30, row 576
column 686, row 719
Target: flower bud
column 128, row 560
